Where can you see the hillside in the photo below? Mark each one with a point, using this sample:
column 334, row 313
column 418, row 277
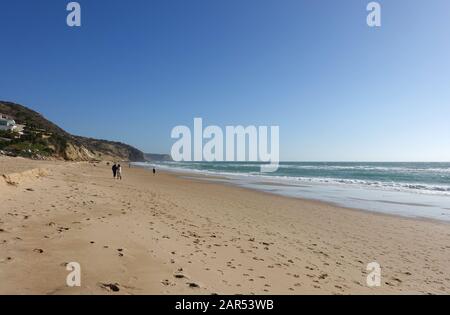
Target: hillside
column 44, row 140
column 157, row 157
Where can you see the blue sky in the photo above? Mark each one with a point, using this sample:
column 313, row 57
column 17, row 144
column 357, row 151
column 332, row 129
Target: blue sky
column 339, row 90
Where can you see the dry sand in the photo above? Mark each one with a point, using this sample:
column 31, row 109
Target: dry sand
column 165, row 234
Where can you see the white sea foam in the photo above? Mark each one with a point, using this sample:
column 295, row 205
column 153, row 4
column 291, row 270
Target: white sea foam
column 400, row 198
column 416, row 187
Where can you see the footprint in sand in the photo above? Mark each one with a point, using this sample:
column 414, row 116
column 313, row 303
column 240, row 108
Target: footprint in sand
column 166, row 282
column 323, row 276
column 193, row 285
column 114, row 287
column 6, row 259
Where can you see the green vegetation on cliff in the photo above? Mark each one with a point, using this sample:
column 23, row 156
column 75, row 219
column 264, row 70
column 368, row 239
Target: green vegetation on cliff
column 41, row 138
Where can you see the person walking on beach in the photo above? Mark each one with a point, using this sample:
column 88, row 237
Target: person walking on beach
column 154, row 171
column 119, row 172
column 114, row 170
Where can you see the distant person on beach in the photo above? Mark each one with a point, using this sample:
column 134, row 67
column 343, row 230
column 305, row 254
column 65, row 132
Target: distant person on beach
column 114, row 170
column 119, row 172
column 154, row 171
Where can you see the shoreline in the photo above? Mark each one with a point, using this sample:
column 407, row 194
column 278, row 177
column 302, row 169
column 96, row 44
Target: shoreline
column 319, row 202
column 223, row 180
column 166, row 234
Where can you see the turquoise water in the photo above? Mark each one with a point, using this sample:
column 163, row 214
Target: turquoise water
column 423, row 177
column 410, row 189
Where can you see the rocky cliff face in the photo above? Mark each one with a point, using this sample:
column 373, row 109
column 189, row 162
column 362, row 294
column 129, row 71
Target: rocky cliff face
column 107, row 150
column 44, row 139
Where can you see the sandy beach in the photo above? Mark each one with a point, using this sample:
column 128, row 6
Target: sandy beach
column 167, row 234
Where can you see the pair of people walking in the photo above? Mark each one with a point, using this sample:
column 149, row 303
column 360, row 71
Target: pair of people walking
column 117, row 171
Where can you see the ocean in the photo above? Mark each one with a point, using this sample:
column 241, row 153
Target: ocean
column 403, row 188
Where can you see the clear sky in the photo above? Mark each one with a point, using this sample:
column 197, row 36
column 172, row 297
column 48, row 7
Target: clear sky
column 339, row 90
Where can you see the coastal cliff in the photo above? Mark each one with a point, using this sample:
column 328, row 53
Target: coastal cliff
column 37, row 137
